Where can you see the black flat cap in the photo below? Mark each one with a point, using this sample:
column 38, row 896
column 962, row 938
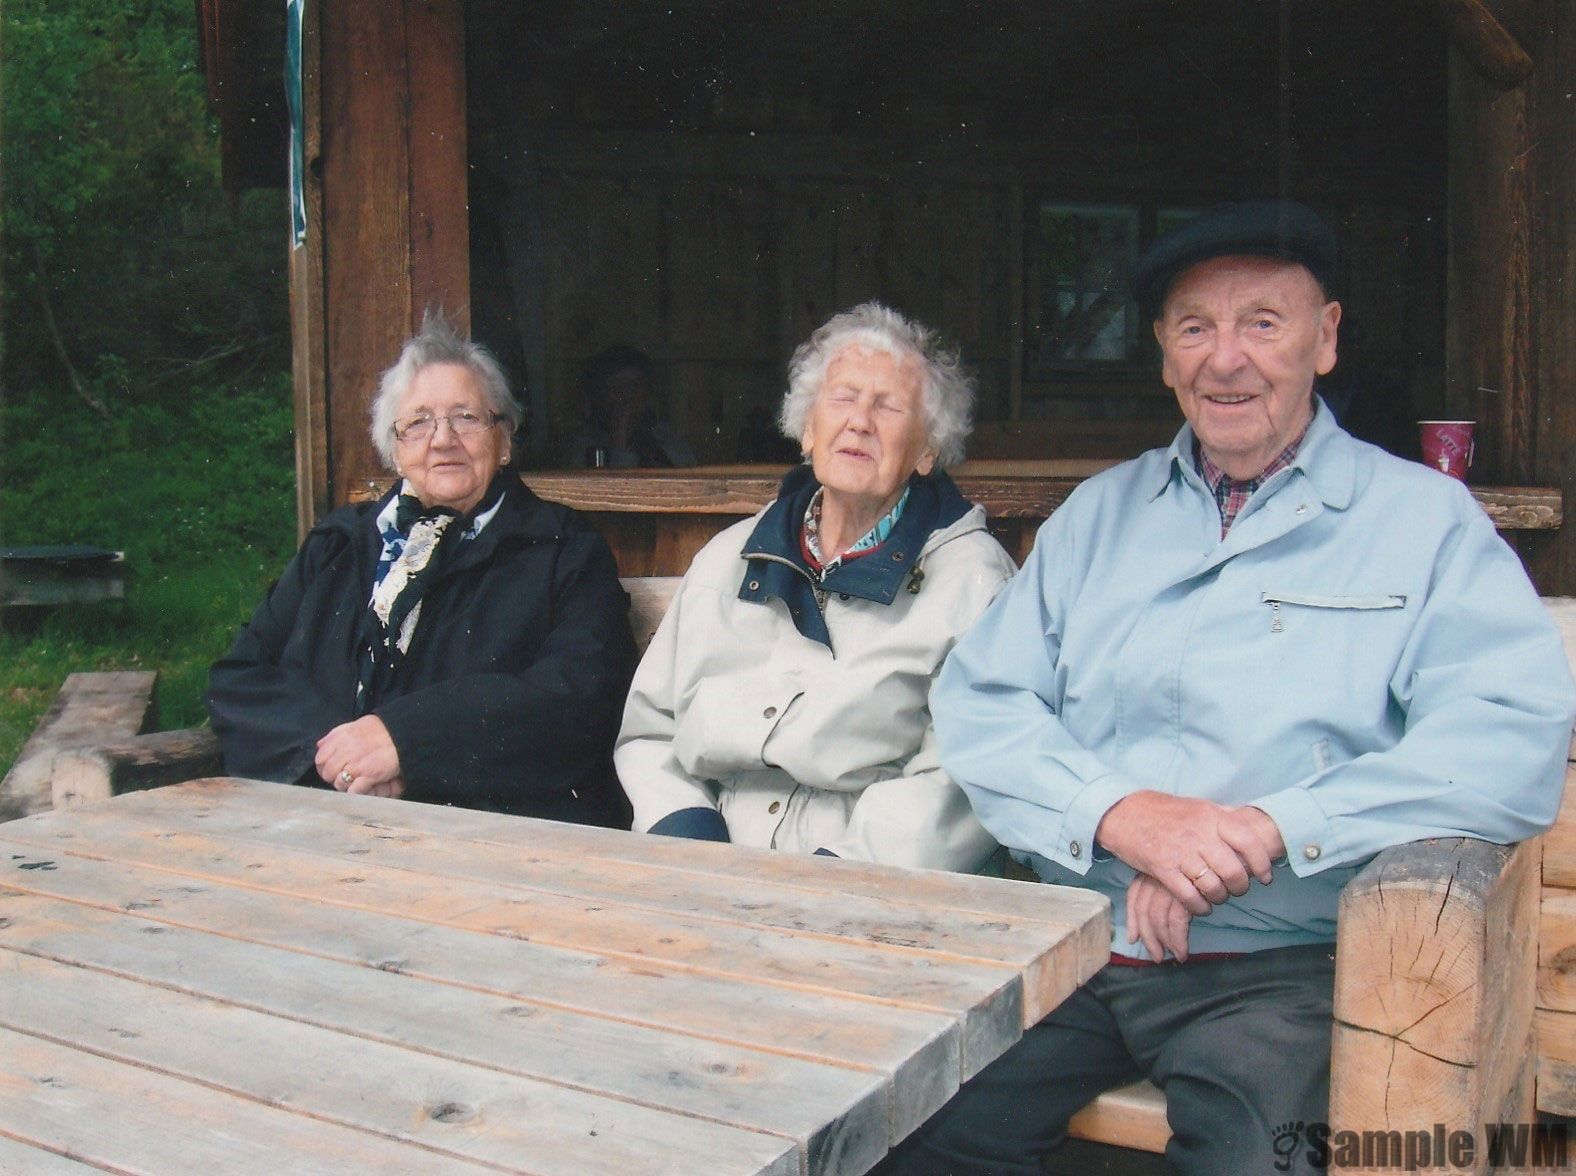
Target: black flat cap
column 1258, row 228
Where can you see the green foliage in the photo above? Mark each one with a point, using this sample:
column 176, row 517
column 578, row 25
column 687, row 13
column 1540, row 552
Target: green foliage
column 132, row 283
column 116, row 230
column 85, row 84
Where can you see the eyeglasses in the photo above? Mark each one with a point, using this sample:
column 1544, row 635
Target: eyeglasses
column 463, row 423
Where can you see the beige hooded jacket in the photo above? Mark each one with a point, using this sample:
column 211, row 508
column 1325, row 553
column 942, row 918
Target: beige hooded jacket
column 800, row 747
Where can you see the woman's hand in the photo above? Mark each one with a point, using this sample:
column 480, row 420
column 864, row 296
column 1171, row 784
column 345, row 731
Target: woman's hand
column 360, row 756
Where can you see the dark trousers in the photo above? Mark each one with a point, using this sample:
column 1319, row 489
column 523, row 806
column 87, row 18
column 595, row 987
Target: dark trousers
column 1241, row 1048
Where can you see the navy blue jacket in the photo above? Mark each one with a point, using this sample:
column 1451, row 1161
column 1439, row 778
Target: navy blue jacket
column 509, row 696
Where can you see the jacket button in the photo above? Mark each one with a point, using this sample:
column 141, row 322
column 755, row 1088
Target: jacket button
column 754, row 584
column 1075, row 849
column 1302, row 508
column 774, row 806
column 842, row 596
column 769, row 713
column 897, row 557
column 1311, row 852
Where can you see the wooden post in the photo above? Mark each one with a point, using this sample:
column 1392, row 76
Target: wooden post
column 1510, row 309
column 1553, row 346
column 395, row 216
column 438, row 206
column 306, row 297
column 1488, row 363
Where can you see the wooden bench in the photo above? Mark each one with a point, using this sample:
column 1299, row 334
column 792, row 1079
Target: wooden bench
column 1436, row 983
column 43, row 577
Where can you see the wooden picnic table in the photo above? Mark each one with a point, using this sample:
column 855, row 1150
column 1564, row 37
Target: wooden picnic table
column 228, row 976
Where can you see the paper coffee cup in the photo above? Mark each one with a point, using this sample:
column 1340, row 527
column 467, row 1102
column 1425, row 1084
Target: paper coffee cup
column 1448, row 446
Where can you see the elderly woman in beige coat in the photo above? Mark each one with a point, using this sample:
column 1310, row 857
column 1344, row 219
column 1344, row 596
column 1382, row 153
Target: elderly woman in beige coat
column 784, row 699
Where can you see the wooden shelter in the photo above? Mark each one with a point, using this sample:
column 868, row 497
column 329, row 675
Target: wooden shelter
column 707, row 180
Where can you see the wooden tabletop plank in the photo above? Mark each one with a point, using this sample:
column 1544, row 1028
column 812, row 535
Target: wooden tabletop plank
column 129, row 1119
column 910, row 905
column 936, row 888
column 919, row 1052
column 16, row 1156
column 541, row 862
column 451, row 1108
column 631, row 1070
column 987, row 996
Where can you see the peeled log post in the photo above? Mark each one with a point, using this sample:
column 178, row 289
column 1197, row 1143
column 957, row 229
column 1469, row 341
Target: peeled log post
column 147, row 761
column 1434, row 988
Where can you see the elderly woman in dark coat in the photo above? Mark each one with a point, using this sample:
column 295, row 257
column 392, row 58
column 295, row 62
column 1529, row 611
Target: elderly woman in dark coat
column 459, row 641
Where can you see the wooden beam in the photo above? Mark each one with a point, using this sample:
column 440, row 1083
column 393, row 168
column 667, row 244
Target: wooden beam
column 395, row 211
column 366, row 219
column 1476, row 28
column 307, row 345
column 1488, row 356
column 111, row 767
column 1434, row 995
column 1130, row 1116
column 1553, row 346
column 439, row 205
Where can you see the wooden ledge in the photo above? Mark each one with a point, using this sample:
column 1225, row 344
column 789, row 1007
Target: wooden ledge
column 1522, row 508
column 743, row 490
column 1006, row 489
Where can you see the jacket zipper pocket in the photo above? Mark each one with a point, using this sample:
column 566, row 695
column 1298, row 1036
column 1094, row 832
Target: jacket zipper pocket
column 1320, row 600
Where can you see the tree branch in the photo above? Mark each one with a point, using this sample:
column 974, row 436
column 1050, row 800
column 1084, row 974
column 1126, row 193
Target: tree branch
column 77, row 385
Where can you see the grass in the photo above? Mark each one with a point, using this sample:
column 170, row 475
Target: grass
column 176, row 624
column 201, row 500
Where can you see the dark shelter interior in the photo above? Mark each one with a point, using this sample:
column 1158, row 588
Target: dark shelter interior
column 701, row 183
column 707, row 182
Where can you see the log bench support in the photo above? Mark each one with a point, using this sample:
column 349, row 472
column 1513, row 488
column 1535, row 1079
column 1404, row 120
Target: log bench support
column 1433, row 999
column 86, row 774
column 90, row 708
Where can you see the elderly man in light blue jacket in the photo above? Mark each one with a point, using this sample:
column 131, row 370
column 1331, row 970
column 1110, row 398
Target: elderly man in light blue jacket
column 1230, row 673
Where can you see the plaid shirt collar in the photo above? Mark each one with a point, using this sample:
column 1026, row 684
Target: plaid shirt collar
column 1232, row 494
column 810, row 536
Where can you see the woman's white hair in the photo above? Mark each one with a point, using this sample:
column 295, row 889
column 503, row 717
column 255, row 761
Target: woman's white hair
column 437, row 342
column 946, row 387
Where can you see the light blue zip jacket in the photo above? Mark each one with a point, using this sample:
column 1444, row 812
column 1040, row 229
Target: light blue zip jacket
column 1362, row 657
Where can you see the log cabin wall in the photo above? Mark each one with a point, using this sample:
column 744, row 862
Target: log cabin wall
column 710, row 181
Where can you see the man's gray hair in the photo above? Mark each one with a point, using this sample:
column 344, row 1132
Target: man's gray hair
column 946, row 387
column 437, row 342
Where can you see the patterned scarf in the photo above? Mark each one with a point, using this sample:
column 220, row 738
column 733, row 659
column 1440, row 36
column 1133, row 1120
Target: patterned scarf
column 417, row 543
